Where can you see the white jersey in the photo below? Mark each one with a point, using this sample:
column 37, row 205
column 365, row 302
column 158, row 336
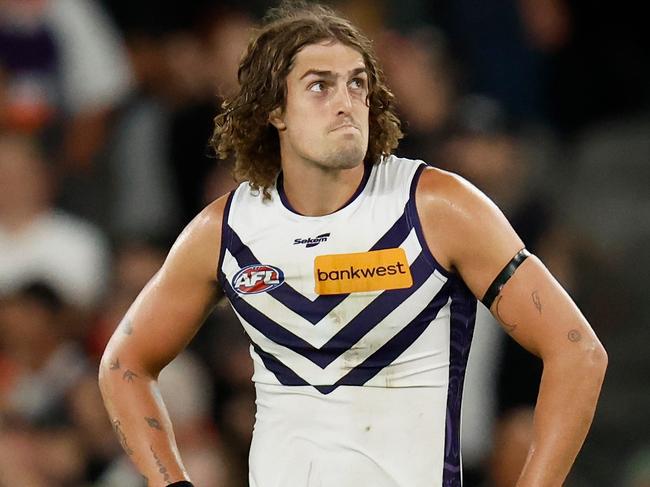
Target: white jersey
column 360, row 338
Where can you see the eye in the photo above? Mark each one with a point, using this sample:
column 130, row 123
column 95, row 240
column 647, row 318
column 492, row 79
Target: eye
column 317, row 87
column 358, row 83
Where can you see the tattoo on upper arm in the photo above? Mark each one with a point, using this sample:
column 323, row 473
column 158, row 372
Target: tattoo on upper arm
column 509, row 327
column 153, row 423
column 115, row 365
column 161, row 468
column 129, row 375
column 537, row 301
column 574, row 336
column 117, row 426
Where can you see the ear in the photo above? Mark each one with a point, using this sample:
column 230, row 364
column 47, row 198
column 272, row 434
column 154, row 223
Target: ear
column 275, row 119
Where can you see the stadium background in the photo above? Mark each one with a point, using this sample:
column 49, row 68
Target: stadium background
column 106, row 108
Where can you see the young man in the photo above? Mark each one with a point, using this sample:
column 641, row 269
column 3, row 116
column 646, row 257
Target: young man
column 355, row 274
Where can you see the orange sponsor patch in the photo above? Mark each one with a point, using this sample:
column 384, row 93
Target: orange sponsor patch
column 376, row 270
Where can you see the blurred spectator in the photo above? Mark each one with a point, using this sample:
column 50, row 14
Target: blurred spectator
column 424, row 86
column 66, row 72
column 504, row 49
column 486, row 148
column 30, row 58
column 62, row 59
column 47, row 385
column 161, row 169
column 37, row 241
column 211, row 61
column 145, row 201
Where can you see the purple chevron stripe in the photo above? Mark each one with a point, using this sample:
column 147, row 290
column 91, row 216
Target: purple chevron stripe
column 284, row 374
column 312, row 311
column 350, row 334
column 370, row 367
column 463, row 316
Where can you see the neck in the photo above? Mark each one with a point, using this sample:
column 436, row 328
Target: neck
column 317, row 191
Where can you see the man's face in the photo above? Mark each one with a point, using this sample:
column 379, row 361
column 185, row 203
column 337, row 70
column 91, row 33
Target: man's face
column 325, row 121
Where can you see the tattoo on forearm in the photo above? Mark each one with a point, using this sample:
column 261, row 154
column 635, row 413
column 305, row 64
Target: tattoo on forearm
column 161, row 468
column 574, row 336
column 129, row 375
column 537, row 301
column 117, row 426
column 507, row 326
column 115, row 365
column 127, row 327
column 153, row 423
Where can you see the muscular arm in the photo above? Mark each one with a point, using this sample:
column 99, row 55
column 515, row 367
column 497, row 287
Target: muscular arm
column 159, row 324
column 468, row 234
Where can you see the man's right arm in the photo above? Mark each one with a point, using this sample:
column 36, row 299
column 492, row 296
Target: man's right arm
column 157, row 327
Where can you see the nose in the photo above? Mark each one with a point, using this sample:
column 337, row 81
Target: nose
column 343, row 99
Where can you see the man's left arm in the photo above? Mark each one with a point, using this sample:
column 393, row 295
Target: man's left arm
column 467, row 232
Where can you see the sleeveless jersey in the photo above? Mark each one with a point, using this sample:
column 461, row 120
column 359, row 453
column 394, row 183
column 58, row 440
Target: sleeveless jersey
column 359, row 337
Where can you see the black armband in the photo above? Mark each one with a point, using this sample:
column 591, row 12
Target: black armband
column 182, row 483
column 505, row 274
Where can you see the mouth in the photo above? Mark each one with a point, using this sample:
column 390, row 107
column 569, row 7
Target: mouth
column 345, row 126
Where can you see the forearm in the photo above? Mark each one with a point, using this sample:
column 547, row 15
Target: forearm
column 141, row 422
column 565, row 408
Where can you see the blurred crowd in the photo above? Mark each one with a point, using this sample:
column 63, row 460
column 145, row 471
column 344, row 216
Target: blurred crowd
column 106, row 109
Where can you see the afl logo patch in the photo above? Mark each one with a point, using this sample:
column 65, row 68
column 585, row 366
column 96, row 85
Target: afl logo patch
column 257, row 278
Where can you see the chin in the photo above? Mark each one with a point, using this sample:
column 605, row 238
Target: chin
column 346, row 158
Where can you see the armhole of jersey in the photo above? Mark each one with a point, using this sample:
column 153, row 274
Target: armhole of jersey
column 226, row 235
column 414, row 219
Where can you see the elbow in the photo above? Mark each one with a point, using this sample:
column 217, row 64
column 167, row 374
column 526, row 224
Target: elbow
column 593, row 361
column 588, row 361
column 595, row 366
column 600, row 358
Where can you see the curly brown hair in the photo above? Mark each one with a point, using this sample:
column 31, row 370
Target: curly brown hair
column 242, row 129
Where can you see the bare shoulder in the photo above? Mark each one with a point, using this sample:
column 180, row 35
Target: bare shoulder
column 464, row 229
column 443, row 194
column 207, row 224
column 197, row 248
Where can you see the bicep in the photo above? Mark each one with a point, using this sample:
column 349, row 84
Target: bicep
column 162, row 320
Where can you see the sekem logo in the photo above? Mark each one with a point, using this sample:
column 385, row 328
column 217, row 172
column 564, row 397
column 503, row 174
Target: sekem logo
column 257, row 278
column 312, row 242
